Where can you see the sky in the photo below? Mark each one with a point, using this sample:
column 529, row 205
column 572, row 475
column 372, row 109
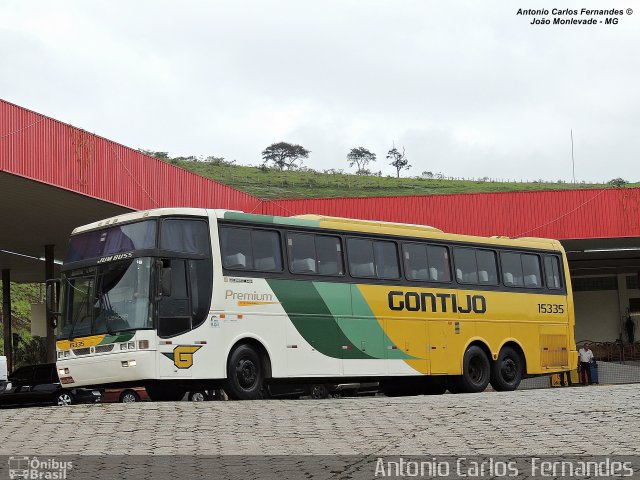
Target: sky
column 469, row 89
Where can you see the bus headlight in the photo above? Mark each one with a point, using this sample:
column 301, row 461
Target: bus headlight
column 123, row 346
column 60, row 354
column 131, row 345
column 63, row 371
column 67, row 353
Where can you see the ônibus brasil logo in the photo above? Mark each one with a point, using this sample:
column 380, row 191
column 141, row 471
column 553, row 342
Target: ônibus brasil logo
column 36, row 468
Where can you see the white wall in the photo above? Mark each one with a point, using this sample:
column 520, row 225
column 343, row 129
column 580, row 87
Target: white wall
column 597, row 315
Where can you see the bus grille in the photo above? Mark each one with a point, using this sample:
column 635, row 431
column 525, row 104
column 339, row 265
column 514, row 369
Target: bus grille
column 554, row 351
column 81, row 351
column 104, row 348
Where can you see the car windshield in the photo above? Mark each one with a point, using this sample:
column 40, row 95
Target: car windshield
column 110, row 298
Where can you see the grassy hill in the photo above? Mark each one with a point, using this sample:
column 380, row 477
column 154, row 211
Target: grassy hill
column 271, row 184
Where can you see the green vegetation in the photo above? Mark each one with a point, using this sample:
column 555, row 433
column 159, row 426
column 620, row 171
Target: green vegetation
column 28, row 350
column 269, row 183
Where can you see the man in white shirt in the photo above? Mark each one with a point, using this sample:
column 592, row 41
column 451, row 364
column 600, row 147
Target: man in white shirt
column 586, row 357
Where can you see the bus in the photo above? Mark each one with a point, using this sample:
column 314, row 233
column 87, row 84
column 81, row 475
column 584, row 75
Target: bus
column 182, row 299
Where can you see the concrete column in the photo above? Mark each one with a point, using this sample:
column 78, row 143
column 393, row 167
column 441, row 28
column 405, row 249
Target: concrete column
column 49, row 275
column 6, row 317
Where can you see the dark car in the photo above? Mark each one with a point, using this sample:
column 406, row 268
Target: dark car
column 40, row 385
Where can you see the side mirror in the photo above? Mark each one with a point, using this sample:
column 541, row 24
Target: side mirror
column 53, row 287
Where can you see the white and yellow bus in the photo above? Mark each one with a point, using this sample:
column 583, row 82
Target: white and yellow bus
column 182, row 299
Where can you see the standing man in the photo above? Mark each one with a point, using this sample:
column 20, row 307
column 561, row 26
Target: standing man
column 586, row 355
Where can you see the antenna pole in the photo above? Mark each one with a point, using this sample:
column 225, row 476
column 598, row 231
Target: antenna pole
column 573, row 162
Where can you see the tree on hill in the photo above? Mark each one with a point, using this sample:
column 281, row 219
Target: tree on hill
column 361, row 157
column 284, row 154
column 618, row 182
column 398, row 160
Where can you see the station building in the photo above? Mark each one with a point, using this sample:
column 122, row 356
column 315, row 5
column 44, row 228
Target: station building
column 55, row 176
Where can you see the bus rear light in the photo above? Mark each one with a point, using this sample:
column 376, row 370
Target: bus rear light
column 143, row 344
column 67, row 380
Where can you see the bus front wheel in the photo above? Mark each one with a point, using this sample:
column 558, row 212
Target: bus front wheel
column 507, row 371
column 245, row 374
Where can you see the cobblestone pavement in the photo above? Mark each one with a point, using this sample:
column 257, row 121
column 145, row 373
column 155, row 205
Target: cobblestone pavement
column 534, row 422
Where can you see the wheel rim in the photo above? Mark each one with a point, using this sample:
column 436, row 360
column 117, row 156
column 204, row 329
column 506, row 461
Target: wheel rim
column 64, row 399
column 477, row 371
column 129, row 398
column 197, row 397
column 509, row 370
column 246, row 373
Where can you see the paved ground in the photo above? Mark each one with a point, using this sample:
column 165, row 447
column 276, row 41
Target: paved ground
column 534, row 422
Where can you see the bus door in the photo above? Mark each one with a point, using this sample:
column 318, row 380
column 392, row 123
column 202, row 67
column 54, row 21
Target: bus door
column 362, row 346
column 440, row 330
column 406, row 340
column 176, row 346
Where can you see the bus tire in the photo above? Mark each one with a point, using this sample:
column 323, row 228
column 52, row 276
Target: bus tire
column 476, row 371
column 245, row 374
column 507, row 370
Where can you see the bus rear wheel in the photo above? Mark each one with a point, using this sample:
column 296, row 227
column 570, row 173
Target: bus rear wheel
column 476, row 371
column 245, row 374
column 507, row 371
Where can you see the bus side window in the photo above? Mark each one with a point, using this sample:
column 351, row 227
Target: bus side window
column 466, row 265
column 185, row 235
column 512, row 270
column 531, row 271
column 416, row 266
column 552, row 271
column 235, row 244
column 174, row 311
column 439, row 269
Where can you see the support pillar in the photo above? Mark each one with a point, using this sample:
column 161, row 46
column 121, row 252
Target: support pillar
column 6, row 317
column 49, row 275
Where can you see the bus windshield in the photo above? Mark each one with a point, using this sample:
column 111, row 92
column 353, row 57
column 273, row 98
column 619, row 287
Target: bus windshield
column 112, row 240
column 109, row 298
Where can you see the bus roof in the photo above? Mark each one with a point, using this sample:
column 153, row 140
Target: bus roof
column 334, row 223
column 389, row 228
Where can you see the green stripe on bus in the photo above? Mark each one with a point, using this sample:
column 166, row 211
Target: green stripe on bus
column 121, row 337
column 356, row 320
column 366, row 325
column 313, row 319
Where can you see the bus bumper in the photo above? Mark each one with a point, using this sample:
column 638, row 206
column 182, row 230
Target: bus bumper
column 103, row 369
